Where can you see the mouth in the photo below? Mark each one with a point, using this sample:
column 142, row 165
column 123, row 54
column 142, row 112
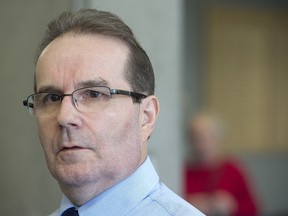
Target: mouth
column 73, row 148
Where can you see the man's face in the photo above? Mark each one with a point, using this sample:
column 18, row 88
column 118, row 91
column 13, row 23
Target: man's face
column 87, row 148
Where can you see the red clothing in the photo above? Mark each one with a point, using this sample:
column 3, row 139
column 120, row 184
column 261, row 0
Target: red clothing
column 228, row 177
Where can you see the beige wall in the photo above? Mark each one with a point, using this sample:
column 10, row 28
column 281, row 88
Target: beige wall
column 25, row 184
column 245, row 77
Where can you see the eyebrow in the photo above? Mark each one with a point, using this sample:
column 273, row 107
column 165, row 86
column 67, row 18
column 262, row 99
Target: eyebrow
column 82, row 84
column 49, row 88
column 94, row 82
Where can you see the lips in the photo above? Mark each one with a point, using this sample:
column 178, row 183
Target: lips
column 65, row 145
column 71, row 149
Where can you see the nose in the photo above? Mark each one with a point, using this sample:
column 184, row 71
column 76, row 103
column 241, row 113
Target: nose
column 68, row 116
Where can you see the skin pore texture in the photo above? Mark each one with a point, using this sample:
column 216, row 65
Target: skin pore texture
column 89, row 152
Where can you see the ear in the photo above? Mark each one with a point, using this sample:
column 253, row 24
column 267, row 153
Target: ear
column 150, row 109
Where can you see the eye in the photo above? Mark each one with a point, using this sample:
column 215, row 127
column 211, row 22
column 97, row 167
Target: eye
column 91, row 94
column 95, row 94
column 51, row 98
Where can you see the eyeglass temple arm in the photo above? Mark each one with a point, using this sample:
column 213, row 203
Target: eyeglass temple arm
column 25, row 103
column 129, row 93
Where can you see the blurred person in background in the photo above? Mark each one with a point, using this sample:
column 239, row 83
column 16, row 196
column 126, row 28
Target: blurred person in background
column 215, row 184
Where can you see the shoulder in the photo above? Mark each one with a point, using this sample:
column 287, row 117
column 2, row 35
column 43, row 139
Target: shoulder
column 164, row 202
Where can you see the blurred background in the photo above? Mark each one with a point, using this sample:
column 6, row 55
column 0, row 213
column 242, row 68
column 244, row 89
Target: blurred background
column 230, row 57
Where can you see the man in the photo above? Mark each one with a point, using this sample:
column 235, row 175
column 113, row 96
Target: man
column 95, row 107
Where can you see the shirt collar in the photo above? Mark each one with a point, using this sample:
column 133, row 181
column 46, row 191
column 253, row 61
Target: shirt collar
column 121, row 198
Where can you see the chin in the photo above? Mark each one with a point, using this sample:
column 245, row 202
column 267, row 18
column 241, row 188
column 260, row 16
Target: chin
column 73, row 175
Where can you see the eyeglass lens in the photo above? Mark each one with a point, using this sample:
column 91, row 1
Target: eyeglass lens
column 85, row 100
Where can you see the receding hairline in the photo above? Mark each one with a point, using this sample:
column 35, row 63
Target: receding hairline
column 92, row 34
column 74, row 33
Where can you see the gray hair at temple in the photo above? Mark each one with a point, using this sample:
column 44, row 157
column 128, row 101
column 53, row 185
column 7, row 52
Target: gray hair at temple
column 139, row 71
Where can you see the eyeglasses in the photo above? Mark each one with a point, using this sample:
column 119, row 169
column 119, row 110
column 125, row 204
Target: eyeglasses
column 87, row 100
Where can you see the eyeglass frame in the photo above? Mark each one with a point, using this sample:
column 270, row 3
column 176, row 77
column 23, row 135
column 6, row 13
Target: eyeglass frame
column 135, row 95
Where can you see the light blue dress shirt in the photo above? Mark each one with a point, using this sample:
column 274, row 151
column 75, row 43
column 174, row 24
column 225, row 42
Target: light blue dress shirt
column 141, row 194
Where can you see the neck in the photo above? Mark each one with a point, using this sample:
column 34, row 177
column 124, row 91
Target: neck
column 209, row 160
column 80, row 194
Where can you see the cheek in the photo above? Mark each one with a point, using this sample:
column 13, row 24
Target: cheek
column 118, row 131
column 115, row 120
column 126, row 125
column 45, row 134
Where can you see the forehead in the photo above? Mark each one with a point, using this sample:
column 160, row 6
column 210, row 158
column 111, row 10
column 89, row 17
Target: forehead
column 73, row 59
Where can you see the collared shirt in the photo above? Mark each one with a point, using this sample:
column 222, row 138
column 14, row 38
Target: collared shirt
column 141, row 194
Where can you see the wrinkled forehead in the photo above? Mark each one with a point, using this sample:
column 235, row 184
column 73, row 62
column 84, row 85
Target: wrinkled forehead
column 72, row 59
